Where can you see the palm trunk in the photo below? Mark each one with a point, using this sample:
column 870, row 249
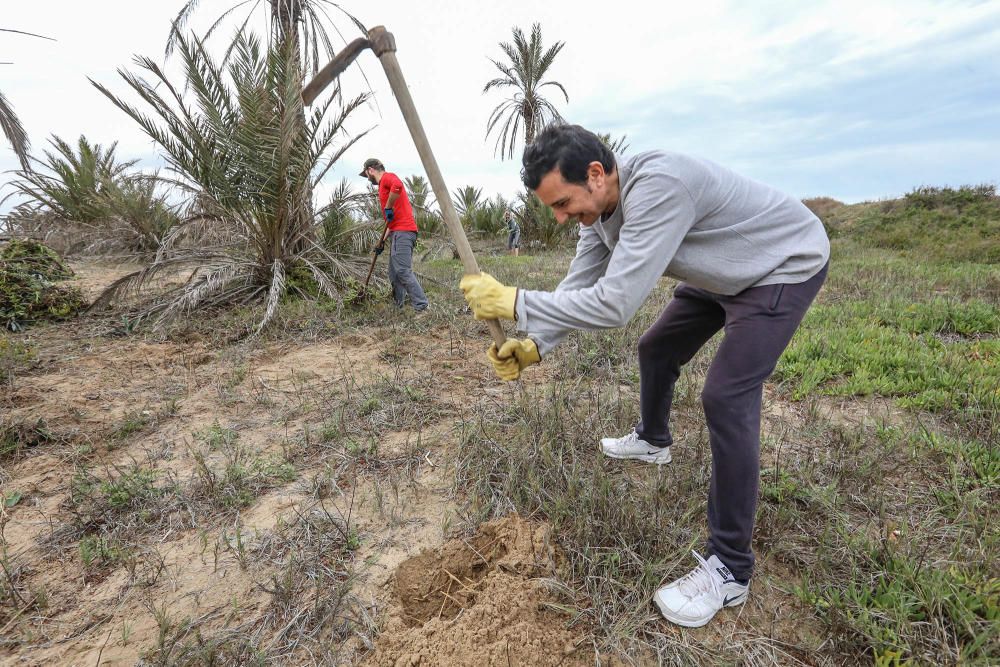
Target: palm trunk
column 529, row 126
column 285, row 18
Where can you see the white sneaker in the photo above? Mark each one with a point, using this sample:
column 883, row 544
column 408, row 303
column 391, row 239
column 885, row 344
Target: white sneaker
column 692, row 600
column 632, row 446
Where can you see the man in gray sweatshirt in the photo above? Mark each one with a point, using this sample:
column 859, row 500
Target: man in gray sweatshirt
column 750, row 260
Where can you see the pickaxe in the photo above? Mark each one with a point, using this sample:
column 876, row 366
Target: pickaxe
column 382, row 43
column 360, row 296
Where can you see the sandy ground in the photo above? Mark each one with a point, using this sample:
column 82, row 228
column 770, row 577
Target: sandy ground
column 86, row 389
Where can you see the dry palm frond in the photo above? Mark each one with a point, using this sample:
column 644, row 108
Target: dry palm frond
column 274, row 293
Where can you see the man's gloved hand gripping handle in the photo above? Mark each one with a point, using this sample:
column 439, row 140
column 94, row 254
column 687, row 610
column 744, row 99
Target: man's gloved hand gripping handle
column 513, row 357
column 490, row 299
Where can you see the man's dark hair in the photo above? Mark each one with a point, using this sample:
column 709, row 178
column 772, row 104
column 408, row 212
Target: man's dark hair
column 571, row 148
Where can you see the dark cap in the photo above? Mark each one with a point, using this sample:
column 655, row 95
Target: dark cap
column 372, row 162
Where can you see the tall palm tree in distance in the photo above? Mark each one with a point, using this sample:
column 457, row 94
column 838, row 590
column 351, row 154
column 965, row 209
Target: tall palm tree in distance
column 526, row 111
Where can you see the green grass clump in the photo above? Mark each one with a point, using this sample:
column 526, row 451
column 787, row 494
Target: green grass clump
column 130, row 488
column 131, row 491
column 99, row 551
column 17, row 436
column 924, row 333
column 14, row 355
column 110, row 515
column 906, row 597
column 230, row 474
column 896, row 544
column 217, row 436
column 872, row 355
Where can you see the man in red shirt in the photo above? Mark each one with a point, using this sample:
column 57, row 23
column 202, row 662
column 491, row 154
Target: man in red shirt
column 401, row 229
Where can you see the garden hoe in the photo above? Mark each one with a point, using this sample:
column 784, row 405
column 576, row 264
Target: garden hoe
column 382, row 43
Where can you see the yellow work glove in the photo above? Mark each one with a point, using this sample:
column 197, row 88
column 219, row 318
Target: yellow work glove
column 514, row 356
column 488, row 298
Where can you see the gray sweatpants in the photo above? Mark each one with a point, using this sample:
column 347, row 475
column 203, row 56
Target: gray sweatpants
column 759, row 323
column 401, row 276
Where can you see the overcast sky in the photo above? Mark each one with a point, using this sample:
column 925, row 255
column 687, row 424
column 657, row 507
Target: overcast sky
column 854, row 99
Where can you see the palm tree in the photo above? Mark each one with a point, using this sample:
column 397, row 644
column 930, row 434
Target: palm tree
column 422, row 198
column 538, row 222
column 89, row 195
column 299, row 27
column 343, row 227
column 526, row 111
column 467, row 201
column 78, row 179
column 234, row 138
column 619, row 145
column 420, row 192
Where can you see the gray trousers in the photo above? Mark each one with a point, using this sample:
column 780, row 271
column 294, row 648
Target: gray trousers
column 759, row 323
column 401, row 276
column 514, row 238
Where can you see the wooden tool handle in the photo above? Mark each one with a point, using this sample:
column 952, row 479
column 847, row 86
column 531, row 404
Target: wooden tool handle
column 384, row 46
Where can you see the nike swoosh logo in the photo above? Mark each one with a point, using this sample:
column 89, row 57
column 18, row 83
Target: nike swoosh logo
column 727, row 600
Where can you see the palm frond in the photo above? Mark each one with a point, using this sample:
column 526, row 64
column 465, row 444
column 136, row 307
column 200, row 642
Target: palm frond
column 14, row 131
column 276, row 290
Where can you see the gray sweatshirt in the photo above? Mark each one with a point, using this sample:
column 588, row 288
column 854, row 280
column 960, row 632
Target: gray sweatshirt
column 683, row 217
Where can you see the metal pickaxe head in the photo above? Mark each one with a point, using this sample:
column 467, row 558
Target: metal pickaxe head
column 379, row 40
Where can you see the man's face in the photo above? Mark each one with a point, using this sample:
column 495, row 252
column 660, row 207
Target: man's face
column 370, row 175
column 574, row 202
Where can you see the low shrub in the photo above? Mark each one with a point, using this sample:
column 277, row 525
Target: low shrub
column 28, row 270
column 35, row 258
column 931, row 198
column 937, row 223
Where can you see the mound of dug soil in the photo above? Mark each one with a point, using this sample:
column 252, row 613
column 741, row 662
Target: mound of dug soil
column 478, row 601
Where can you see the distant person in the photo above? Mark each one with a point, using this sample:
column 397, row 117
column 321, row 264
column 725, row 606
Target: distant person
column 750, row 260
column 401, row 230
column 513, row 233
